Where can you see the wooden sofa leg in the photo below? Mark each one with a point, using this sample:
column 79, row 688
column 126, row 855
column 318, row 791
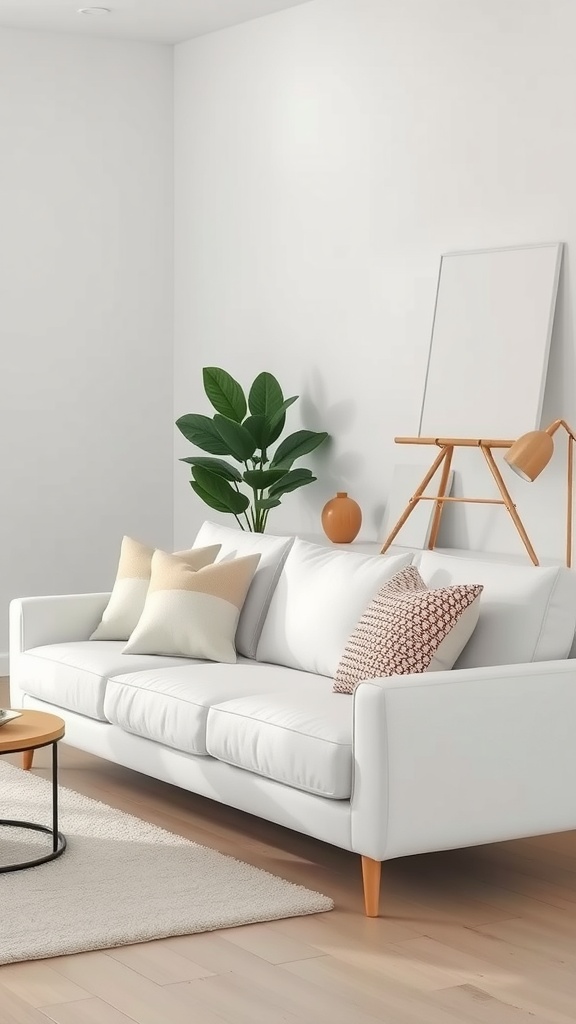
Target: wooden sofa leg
column 27, row 758
column 371, row 870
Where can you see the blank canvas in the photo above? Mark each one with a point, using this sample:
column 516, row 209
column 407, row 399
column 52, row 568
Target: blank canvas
column 490, row 342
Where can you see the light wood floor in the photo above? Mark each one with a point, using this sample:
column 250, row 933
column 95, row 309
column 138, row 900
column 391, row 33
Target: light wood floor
column 481, row 935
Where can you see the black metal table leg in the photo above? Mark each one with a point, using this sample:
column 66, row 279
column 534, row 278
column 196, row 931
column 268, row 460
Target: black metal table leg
column 55, row 796
column 58, row 839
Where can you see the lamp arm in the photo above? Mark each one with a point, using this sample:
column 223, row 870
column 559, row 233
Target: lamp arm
column 551, row 430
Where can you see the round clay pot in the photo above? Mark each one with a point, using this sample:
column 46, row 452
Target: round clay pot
column 341, row 519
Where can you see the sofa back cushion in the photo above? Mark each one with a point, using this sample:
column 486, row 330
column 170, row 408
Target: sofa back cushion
column 234, row 543
column 527, row 613
column 319, row 598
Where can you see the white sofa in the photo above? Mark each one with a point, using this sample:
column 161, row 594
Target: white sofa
column 409, row 764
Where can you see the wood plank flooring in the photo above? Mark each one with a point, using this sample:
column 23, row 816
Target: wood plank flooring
column 486, row 935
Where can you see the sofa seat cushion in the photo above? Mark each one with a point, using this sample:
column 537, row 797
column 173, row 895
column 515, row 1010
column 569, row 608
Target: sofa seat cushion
column 171, row 707
column 75, row 675
column 306, row 744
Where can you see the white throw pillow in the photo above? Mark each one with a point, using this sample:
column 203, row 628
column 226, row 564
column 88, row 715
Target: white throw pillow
column 318, row 600
column 528, row 613
column 192, row 613
column 407, row 628
column 235, row 543
column 128, row 595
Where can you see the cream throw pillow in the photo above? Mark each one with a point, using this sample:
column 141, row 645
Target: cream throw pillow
column 192, row 614
column 128, row 596
column 408, row 628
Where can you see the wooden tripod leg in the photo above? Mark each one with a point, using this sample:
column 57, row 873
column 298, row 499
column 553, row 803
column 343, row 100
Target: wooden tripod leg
column 439, row 506
column 509, row 503
column 27, row 759
column 414, row 499
column 371, row 870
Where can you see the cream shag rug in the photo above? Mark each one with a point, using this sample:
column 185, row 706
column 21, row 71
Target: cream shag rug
column 120, row 880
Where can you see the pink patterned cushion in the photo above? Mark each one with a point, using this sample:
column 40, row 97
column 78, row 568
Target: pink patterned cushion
column 409, row 628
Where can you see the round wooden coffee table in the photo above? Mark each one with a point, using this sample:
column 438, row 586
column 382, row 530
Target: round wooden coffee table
column 32, row 730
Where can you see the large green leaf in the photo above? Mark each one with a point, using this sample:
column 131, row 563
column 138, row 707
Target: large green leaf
column 229, row 499
column 224, row 393
column 261, row 479
column 302, row 442
column 218, row 466
column 277, row 422
column 238, row 440
column 291, row 481
column 210, row 500
column 279, row 414
column 267, row 503
column 265, row 397
column 259, row 428
column 200, row 430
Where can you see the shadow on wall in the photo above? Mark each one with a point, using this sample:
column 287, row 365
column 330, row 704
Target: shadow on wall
column 453, row 523
column 332, row 467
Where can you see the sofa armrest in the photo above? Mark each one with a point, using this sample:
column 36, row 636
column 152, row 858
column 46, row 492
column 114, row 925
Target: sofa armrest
column 35, row 621
column 451, row 759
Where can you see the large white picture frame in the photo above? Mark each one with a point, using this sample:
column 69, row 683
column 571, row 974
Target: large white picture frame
column 491, row 334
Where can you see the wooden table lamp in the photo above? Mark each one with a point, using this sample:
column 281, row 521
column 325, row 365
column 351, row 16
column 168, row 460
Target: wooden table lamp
column 532, row 452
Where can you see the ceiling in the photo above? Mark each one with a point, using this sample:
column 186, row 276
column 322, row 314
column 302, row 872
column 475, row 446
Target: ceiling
column 159, row 21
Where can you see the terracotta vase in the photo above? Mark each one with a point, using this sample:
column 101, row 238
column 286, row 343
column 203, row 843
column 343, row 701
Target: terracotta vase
column 341, row 519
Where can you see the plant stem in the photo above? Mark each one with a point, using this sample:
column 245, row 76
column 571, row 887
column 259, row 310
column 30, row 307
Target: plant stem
column 262, row 517
column 239, row 521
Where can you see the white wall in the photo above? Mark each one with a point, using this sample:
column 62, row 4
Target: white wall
column 325, row 157
column 86, row 433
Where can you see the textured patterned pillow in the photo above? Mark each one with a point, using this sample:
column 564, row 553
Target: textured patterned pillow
column 192, row 614
column 409, row 628
column 128, row 596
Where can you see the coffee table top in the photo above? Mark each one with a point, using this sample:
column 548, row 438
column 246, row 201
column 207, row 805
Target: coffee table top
column 33, row 729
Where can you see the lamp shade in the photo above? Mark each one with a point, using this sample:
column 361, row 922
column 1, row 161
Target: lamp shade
column 530, row 454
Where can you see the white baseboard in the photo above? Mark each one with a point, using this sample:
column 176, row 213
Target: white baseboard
column 3, row 663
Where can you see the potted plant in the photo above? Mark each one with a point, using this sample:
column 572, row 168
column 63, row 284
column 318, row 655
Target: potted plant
column 245, row 429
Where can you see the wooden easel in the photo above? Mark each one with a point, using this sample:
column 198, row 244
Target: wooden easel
column 444, row 459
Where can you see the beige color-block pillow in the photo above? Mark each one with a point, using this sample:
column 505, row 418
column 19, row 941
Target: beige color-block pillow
column 273, row 551
column 191, row 614
column 409, row 628
column 128, row 595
